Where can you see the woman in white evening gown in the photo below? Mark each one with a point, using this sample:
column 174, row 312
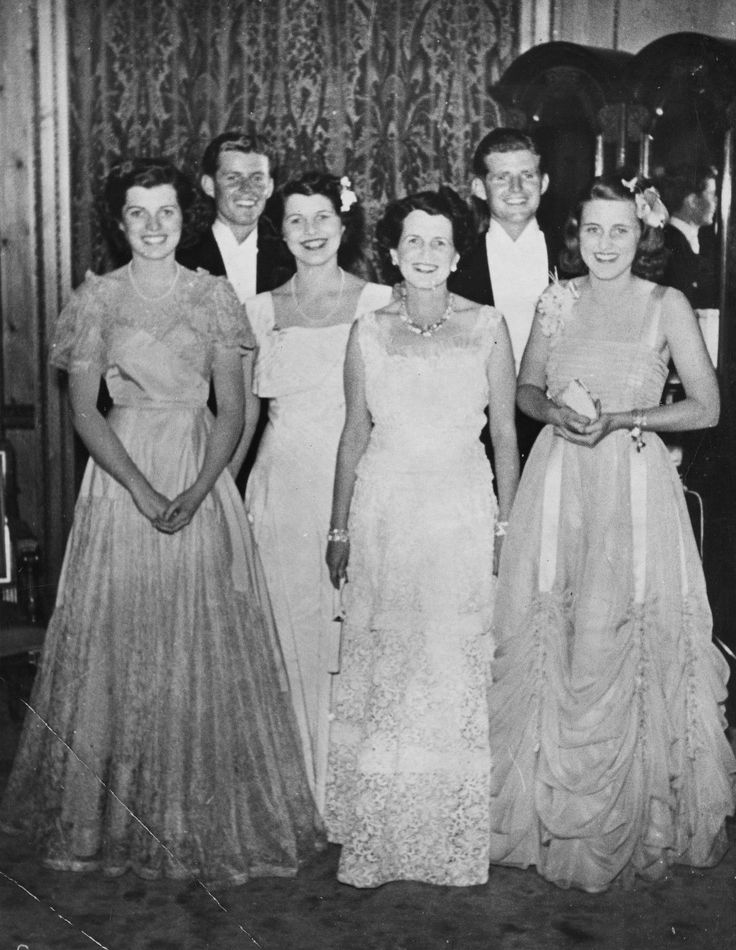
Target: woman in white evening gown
column 162, row 737
column 301, row 331
column 409, row 778
column 610, row 759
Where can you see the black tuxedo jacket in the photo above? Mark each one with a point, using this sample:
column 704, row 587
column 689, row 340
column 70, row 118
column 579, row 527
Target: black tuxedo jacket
column 696, row 275
column 273, row 266
column 472, row 279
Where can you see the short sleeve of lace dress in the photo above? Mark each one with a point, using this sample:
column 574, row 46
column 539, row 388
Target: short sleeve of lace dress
column 77, row 341
column 229, row 325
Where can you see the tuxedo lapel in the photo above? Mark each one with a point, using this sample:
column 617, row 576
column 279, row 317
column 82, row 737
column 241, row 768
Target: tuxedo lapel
column 274, row 264
column 205, row 254
column 472, row 279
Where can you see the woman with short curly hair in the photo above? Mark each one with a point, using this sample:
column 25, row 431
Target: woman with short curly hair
column 416, row 530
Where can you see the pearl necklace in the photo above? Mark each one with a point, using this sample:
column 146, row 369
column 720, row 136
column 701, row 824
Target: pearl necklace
column 430, row 328
column 145, row 297
column 325, row 319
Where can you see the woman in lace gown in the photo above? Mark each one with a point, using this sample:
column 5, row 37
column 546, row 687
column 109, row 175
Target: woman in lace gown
column 609, row 754
column 409, row 779
column 162, row 737
column 301, row 331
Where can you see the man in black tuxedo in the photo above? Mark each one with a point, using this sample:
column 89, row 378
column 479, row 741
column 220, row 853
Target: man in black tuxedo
column 509, row 265
column 690, row 194
column 242, row 243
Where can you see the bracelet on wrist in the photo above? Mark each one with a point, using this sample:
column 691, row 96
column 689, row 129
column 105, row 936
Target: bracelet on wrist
column 638, row 424
column 339, row 535
column 499, row 529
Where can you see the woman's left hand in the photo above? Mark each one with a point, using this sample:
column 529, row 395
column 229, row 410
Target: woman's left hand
column 593, row 432
column 180, row 512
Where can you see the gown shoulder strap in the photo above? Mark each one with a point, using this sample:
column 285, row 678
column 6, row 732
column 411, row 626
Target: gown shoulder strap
column 653, row 316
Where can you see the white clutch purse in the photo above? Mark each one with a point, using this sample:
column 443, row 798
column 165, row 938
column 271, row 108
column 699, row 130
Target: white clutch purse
column 577, row 397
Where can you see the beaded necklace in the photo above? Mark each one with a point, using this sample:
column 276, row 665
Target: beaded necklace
column 430, row 328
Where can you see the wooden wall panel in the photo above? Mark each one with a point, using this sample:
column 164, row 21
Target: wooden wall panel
column 628, row 25
column 19, row 292
column 35, row 261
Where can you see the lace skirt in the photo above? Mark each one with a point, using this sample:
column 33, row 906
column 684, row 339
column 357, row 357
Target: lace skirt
column 409, row 770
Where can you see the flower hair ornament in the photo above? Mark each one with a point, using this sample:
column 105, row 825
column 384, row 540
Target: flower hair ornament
column 347, row 195
column 650, row 208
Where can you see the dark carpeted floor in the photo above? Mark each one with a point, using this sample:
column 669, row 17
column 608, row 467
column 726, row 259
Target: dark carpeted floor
column 516, row 910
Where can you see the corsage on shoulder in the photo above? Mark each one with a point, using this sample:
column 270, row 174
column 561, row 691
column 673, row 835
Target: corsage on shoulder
column 555, row 305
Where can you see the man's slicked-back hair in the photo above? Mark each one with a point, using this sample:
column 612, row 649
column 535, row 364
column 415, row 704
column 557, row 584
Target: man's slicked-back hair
column 235, row 140
column 503, row 140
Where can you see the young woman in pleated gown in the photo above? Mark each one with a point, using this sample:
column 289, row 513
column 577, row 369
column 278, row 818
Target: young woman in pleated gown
column 410, row 763
column 301, row 331
column 161, row 736
column 607, row 727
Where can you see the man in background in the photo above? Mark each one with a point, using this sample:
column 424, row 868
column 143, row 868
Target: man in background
column 690, row 195
column 509, row 265
column 242, row 243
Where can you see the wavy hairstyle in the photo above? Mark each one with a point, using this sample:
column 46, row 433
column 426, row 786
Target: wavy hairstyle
column 148, row 173
column 235, row 140
column 445, row 202
column 351, row 255
column 650, row 257
column 503, row 140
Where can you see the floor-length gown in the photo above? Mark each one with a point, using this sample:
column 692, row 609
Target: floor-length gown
column 409, row 774
column 163, row 738
column 289, row 497
column 609, row 754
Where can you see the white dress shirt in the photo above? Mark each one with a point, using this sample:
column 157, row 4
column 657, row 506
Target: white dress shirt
column 239, row 258
column 689, row 230
column 519, row 273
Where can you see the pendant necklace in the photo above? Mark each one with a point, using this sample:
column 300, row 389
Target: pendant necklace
column 430, row 328
column 326, row 319
column 145, row 297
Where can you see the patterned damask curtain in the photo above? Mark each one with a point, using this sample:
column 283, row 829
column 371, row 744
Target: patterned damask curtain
column 394, row 93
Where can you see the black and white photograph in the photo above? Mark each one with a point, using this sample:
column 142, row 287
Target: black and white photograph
column 367, row 465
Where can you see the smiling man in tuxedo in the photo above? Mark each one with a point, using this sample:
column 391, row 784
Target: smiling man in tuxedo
column 242, row 243
column 509, row 265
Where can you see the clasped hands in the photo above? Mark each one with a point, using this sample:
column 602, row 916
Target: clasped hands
column 580, row 429
column 167, row 516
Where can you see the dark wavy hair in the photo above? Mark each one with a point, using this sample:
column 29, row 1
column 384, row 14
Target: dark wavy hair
column 650, row 258
column 148, row 173
column 445, row 202
column 504, row 140
column 351, row 255
column 234, row 140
